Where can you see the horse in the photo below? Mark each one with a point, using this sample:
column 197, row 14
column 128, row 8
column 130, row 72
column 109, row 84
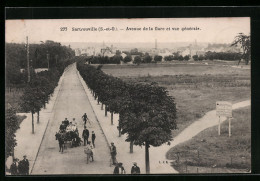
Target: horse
column 60, row 138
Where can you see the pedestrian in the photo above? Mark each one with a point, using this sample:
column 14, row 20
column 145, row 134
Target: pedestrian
column 88, row 150
column 14, row 167
column 93, row 137
column 113, row 153
column 85, row 135
column 85, row 118
column 24, row 164
column 135, row 169
column 119, row 169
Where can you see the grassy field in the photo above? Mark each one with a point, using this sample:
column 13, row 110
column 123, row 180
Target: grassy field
column 196, row 87
column 195, row 91
column 212, row 153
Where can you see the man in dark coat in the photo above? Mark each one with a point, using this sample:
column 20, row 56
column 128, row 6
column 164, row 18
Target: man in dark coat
column 93, row 137
column 66, row 122
column 62, row 126
column 113, row 153
column 14, row 167
column 85, row 118
column 135, row 169
column 85, row 135
column 24, row 164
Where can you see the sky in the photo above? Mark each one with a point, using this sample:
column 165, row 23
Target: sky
column 211, row 30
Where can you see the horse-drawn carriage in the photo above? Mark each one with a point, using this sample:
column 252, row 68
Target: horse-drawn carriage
column 68, row 136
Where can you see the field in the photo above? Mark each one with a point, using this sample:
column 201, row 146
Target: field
column 212, row 153
column 196, row 87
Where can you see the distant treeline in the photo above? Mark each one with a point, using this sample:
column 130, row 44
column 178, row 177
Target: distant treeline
column 16, row 58
column 231, row 56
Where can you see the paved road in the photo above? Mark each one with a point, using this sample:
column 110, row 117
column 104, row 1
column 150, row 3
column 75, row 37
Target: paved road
column 71, row 102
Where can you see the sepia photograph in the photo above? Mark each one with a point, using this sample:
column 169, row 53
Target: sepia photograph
column 127, row 96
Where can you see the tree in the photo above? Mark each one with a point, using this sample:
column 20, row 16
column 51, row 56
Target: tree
column 11, row 125
column 180, row 58
column 245, row 42
column 30, row 102
column 186, row 57
column 150, row 119
column 137, row 60
column 128, row 58
column 195, row 57
column 147, row 58
column 157, row 58
column 201, row 57
column 117, row 59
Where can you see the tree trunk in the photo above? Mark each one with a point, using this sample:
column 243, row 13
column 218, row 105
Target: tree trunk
column 112, row 118
column 102, row 106
column 98, row 101
column 119, row 128
column 32, row 124
column 38, row 116
column 95, row 96
column 147, row 162
column 105, row 110
column 131, row 146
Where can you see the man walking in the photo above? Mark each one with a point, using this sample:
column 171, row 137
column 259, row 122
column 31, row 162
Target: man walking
column 85, row 135
column 85, row 118
column 135, row 169
column 24, row 164
column 14, row 167
column 113, row 153
column 93, row 137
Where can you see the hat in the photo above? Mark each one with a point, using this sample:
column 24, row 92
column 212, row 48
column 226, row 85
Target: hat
column 24, row 156
column 134, row 163
column 112, row 143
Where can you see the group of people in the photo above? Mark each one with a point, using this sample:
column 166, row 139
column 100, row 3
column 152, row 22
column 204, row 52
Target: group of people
column 20, row 167
column 70, row 132
column 89, row 145
column 119, row 169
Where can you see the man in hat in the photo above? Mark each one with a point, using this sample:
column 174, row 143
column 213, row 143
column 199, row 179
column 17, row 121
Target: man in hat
column 24, row 164
column 66, row 122
column 85, row 135
column 135, row 169
column 113, row 153
column 14, row 167
column 85, row 118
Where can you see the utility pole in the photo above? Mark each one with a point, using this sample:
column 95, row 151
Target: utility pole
column 28, row 66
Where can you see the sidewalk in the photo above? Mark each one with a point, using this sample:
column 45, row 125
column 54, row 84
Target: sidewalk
column 157, row 154
column 28, row 143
